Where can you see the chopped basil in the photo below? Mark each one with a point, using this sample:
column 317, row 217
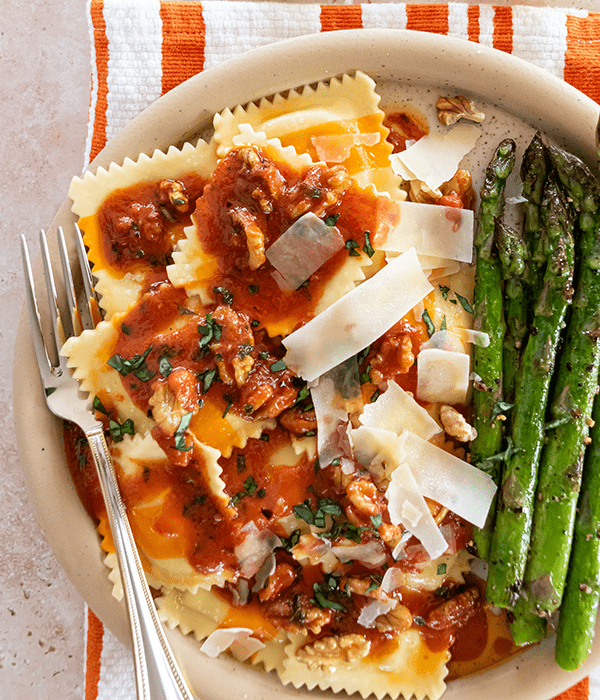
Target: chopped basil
column 278, row 366
column 261, row 493
column 253, row 289
column 250, row 487
column 500, row 407
column 351, row 246
column 99, row 406
column 418, row 620
column 321, row 590
column 207, row 377
column 186, row 312
column 125, row 329
column 428, row 323
column 443, row 326
column 119, row 430
column 442, row 568
column 288, row 542
column 444, row 291
column 368, row 248
column 244, row 350
column 331, row 220
column 241, row 463
column 377, row 520
column 254, row 323
column 164, row 366
column 225, row 293
column 375, row 395
column 314, row 192
column 209, row 332
column 464, row 303
column 229, row 400
column 184, row 423
column 136, row 365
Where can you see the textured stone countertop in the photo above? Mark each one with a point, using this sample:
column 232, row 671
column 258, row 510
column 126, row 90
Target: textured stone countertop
column 44, row 94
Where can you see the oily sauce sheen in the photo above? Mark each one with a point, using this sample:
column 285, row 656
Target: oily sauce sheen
column 219, row 359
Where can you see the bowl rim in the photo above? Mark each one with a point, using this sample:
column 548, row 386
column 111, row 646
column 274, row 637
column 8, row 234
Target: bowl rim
column 180, row 115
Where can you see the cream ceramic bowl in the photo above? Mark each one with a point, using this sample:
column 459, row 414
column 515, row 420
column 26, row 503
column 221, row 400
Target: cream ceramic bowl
column 409, row 67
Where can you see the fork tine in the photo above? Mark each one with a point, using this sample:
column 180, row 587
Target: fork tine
column 89, row 314
column 75, row 328
column 34, row 318
column 56, row 330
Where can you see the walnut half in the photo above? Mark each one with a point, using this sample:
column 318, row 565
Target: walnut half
column 451, row 109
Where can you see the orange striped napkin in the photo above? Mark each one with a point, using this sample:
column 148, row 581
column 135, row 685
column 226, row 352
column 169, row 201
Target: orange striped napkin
column 144, row 48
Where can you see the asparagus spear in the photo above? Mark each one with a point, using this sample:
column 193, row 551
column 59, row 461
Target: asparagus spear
column 489, row 318
column 582, row 593
column 534, row 168
column 515, row 504
column 513, row 254
column 562, row 456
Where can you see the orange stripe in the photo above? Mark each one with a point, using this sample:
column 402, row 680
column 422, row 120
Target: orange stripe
column 95, row 634
column 473, row 28
column 503, row 29
column 582, row 58
column 183, row 42
column 335, row 17
column 101, row 50
column 580, row 691
column 427, row 18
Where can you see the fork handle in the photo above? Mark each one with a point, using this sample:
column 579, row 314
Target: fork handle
column 158, row 676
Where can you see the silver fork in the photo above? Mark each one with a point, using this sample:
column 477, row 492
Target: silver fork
column 158, row 676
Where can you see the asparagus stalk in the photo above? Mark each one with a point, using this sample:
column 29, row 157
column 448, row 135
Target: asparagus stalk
column 579, row 606
column 562, row 457
column 489, row 318
column 513, row 254
column 515, row 504
column 534, row 169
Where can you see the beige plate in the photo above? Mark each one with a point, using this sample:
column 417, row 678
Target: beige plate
column 517, row 98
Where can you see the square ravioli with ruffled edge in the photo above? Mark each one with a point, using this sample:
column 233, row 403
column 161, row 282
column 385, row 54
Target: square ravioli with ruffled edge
column 283, row 370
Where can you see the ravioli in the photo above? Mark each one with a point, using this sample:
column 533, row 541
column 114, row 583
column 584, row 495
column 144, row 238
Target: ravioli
column 261, row 461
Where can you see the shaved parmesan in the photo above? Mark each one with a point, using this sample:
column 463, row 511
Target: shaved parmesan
column 433, row 230
column 392, row 579
column 358, row 318
column 464, row 489
column 336, row 148
column 443, row 375
column 371, row 554
column 396, row 410
column 435, row 158
column 301, row 250
column 370, row 443
column 334, row 395
column 255, row 549
column 237, row 639
column 408, row 508
column 444, row 340
column 373, row 610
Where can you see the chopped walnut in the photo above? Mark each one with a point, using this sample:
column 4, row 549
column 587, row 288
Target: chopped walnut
column 451, row 109
column 234, row 347
column 316, row 618
column 420, row 193
column 173, row 397
column 456, row 425
column 319, row 190
column 297, row 421
column 255, row 238
column 455, row 611
column 173, row 192
column 327, row 653
column 365, row 497
column 397, row 619
column 271, row 181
